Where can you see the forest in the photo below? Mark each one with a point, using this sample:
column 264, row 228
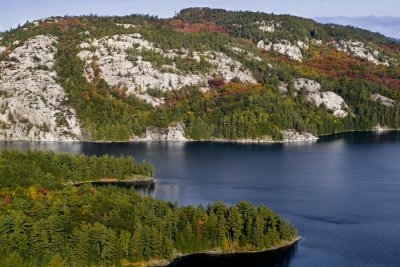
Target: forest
column 52, row 170
column 229, row 109
column 45, row 222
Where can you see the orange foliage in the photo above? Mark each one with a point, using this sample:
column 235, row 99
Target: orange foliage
column 6, row 197
column 181, row 26
column 395, row 49
column 43, row 192
column 85, row 97
column 120, row 90
column 62, row 23
column 330, row 62
column 32, row 192
column 232, row 89
column 246, row 42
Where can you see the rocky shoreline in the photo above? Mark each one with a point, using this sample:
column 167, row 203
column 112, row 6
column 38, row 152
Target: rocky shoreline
column 176, row 133
column 290, row 136
column 163, row 262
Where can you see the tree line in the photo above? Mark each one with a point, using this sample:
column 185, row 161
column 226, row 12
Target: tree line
column 51, row 170
column 45, row 225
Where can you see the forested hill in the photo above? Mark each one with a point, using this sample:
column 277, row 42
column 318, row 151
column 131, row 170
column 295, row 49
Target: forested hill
column 206, row 74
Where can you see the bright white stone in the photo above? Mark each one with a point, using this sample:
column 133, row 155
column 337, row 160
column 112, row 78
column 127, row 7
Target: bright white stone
column 284, row 47
column 316, row 42
column 283, row 87
column 138, row 76
column 359, row 49
column 32, row 104
column 388, row 102
column 292, row 136
column 268, row 26
column 175, row 132
column 126, row 26
column 250, row 55
column 331, row 101
column 309, row 85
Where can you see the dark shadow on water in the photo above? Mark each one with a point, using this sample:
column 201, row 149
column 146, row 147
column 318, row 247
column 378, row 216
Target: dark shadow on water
column 364, row 137
column 145, row 188
column 276, row 258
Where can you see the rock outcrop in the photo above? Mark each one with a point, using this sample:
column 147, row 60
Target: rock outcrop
column 360, row 50
column 284, row 47
column 309, row 86
column 268, row 26
column 250, row 55
column 111, row 54
column 126, row 26
column 380, row 129
column 32, row 105
column 292, row 136
column 175, row 132
column 330, row 100
column 388, row 102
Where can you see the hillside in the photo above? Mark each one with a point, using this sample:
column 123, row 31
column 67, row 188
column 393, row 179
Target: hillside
column 206, row 74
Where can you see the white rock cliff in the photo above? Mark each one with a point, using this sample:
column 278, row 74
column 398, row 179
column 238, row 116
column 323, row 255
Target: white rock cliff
column 138, row 76
column 32, row 105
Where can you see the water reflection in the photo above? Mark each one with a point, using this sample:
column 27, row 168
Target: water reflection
column 145, row 188
column 341, row 193
column 277, row 258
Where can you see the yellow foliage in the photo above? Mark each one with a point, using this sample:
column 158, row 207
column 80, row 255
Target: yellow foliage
column 32, row 192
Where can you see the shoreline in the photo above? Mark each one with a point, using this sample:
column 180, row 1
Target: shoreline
column 258, row 141
column 232, row 141
column 164, row 263
column 283, row 244
column 139, row 181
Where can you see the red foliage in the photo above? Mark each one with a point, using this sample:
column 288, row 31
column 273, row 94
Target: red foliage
column 181, row 26
column 232, row 89
column 393, row 48
column 330, row 62
column 93, row 191
column 7, row 199
column 43, row 192
column 85, row 97
column 216, row 82
column 121, row 91
column 62, row 23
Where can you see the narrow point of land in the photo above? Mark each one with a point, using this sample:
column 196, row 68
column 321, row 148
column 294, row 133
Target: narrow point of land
column 133, row 180
column 164, row 262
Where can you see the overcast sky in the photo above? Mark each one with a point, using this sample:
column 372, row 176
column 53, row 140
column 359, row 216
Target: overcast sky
column 356, row 12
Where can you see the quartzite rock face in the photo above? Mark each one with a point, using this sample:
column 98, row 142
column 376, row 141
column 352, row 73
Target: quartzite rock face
column 32, row 105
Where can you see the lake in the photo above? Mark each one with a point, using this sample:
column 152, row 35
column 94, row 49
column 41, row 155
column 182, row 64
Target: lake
column 342, row 192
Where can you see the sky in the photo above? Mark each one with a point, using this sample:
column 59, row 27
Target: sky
column 382, row 16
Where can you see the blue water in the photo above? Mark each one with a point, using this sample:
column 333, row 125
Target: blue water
column 342, row 193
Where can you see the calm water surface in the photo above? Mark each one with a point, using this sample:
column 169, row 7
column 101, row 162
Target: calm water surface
column 342, row 193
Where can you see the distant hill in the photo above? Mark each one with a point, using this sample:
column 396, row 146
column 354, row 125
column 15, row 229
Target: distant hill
column 205, row 74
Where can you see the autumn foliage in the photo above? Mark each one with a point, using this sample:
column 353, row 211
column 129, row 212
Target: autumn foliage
column 188, row 27
column 327, row 61
column 216, row 82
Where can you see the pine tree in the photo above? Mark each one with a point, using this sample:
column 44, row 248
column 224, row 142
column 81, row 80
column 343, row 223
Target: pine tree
column 235, row 223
